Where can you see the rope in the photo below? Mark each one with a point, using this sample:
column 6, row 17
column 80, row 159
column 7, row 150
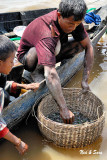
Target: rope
column 34, row 115
column 45, row 125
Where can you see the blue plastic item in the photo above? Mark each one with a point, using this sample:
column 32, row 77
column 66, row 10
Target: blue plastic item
column 91, row 17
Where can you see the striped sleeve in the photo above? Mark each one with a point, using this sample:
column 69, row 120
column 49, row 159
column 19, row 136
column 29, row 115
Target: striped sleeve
column 11, row 86
column 3, row 127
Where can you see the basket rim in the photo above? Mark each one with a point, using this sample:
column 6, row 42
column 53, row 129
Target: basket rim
column 73, row 125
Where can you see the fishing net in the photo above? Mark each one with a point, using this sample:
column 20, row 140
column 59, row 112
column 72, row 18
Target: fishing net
column 72, row 135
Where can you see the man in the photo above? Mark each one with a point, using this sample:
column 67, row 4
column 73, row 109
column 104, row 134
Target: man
column 39, row 41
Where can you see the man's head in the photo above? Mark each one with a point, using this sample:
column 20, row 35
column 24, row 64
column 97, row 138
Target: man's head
column 7, row 54
column 75, row 8
column 73, row 12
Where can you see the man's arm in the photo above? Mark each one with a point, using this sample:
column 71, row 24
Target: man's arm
column 88, row 63
column 53, row 83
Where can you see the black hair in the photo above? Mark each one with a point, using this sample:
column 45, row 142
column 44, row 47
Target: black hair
column 6, row 47
column 76, row 8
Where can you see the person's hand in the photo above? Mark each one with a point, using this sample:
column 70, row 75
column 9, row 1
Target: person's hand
column 67, row 116
column 21, row 147
column 32, row 86
column 85, row 87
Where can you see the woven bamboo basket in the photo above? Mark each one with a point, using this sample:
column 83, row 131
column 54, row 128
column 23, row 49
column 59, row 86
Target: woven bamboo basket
column 69, row 135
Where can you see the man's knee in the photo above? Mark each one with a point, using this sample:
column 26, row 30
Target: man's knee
column 31, row 54
column 30, row 59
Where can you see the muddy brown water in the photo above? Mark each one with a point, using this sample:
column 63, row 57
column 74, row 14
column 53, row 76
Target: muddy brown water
column 39, row 149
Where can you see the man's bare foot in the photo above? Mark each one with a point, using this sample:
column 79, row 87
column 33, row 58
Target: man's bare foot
column 21, row 147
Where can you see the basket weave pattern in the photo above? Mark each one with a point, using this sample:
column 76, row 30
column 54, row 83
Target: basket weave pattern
column 67, row 135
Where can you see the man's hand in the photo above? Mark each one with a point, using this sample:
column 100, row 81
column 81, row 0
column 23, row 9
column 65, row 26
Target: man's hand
column 33, row 86
column 54, row 85
column 67, row 116
column 85, row 86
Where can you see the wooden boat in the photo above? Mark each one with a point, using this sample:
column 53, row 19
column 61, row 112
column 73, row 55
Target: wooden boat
column 22, row 105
